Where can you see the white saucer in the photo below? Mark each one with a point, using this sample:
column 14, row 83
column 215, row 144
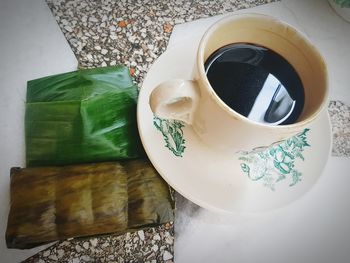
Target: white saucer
column 243, row 182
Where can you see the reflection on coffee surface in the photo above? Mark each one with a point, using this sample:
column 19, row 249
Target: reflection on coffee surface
column 257, row 83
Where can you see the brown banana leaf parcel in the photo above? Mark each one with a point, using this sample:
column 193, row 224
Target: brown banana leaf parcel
column 56, row 203
column 83, row 116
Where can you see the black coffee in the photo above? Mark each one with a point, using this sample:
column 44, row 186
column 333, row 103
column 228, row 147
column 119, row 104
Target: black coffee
column 257, row 83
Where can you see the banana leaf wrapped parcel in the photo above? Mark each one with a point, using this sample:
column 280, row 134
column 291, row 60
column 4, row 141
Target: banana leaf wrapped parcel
column 82, row 116
column 56, row 203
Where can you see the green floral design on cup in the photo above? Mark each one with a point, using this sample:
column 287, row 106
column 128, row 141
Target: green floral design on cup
column 342, row 3
column 276, row 163
column 172, row 134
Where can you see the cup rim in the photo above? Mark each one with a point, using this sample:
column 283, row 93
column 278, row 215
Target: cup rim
column 200, row 64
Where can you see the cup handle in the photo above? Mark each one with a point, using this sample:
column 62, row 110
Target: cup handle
column 175, row 99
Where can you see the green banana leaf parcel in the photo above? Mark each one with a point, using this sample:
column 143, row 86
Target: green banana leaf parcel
column 82, row 116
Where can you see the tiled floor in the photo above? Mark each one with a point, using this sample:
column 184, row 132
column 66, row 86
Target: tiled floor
column 152, row 245
column 133, row 33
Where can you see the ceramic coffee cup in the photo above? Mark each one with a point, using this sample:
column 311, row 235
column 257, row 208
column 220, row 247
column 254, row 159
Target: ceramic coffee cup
column 197, row 104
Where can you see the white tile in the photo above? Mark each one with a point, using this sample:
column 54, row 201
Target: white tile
column 31, row 46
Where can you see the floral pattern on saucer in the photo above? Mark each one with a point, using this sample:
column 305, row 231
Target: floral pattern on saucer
column 172, row 134
column 276, row 163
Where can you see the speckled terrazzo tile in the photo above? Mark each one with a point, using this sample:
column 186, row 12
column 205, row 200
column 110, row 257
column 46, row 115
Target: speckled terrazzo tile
column 133, row 33
column 97, row 249
column 153, row 245
column 340, row 119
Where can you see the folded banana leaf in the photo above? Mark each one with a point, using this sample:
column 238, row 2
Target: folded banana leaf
column 82, row 116
column 56, row 203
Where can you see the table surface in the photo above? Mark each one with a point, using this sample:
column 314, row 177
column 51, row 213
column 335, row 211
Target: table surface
column 102, row 33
